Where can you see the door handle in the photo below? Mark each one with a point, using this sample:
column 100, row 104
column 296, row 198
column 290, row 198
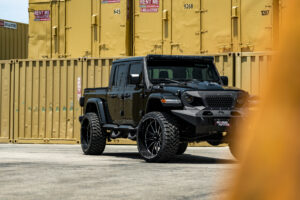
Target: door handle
column 113, row 96
column 126, row 95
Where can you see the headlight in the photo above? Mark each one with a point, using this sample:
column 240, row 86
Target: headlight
column 188, row 99
column 242, row 99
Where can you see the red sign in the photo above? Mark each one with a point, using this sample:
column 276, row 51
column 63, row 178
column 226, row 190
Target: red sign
column 149, row 5
column 1, row 23
column 111, row 1
column 42, row 15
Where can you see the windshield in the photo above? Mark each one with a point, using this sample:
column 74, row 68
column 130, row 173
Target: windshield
column 181, row 72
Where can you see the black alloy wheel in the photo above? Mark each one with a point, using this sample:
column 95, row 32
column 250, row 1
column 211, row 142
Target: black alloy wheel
column 93, row 139
column 158, row 137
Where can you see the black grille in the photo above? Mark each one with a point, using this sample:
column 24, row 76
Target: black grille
column 219, row 101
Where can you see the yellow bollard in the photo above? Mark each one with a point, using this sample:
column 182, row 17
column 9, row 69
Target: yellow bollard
column 270, row 148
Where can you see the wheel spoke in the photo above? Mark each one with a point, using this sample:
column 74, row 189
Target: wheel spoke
column 153, row 149
column 159, row 131
column 156, row 126
column 152, row 136
column 153, row 129
column 156, row 147
column 151, row 144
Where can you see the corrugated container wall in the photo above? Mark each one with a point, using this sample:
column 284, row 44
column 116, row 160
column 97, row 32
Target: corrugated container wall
column 69, row 29
column 13, row 40
column 46, row 92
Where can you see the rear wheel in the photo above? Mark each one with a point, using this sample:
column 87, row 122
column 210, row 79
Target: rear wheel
column 182, row 148
column 158, row 137
column 93, row 139
column 216, row 139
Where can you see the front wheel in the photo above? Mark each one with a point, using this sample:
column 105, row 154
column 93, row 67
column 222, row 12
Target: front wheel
column 182, row 148
column 158, row 137
column 93, row 139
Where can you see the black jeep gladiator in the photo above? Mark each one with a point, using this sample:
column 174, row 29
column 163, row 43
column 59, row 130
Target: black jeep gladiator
column 162, row 102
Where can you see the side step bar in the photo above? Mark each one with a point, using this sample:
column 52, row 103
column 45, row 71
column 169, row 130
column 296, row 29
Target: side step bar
column 119, row 128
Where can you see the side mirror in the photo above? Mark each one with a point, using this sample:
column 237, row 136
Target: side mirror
column 224, row 80
column 135, row 79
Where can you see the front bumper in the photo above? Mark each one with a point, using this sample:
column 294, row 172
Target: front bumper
column 205, row 121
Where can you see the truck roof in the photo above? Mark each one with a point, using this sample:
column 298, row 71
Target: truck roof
column 165, row 58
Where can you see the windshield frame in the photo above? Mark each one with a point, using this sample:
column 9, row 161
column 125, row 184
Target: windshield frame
column 184, row 63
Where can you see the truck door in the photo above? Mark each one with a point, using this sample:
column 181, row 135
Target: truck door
column 116, row 93
column 133, row 101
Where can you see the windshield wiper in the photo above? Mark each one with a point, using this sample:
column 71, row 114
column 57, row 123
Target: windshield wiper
column 167, row 79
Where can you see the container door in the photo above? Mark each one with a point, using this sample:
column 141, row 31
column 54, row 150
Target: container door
column 257, row 25
column 185, row 27
column 40, row 30
column 148, row 28
column 216, row 26
column 114, row 28
column 78, row 28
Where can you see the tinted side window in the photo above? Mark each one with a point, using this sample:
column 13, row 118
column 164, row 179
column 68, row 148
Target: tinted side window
column 136, row 68
column 115, row 77
column 121, row 75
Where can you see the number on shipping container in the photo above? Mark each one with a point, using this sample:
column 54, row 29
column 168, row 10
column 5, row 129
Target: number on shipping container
column 188, row 6
column 117, row 11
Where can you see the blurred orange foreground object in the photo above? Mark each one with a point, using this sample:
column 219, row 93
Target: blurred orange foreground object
column 270, row 149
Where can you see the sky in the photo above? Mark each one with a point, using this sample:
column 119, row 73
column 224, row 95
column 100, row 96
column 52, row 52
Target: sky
column 14, row 10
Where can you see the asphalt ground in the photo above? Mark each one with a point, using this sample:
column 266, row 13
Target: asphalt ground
column 42, row 172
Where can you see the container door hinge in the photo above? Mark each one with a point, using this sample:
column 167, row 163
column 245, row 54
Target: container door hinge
column 201, row 11
column 269, row 6
column 175, row 45
column 103, row 47
column 235, row 13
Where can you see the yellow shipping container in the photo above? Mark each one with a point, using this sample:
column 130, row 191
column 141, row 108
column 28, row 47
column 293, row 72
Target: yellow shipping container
column 251, row 70
column 205, row 26
column 46, row 108
column 13, row 40
column 69, row 29
column 101, row 28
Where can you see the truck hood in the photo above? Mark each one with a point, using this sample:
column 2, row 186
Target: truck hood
column 196, row 86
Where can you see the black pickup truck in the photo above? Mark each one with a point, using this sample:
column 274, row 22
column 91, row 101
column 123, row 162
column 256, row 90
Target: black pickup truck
column 162, row 102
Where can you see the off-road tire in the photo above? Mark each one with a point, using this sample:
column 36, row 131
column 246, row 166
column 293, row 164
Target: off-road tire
column 216, row 140
column 93, row 139
column 182, row 148
column 168, row 139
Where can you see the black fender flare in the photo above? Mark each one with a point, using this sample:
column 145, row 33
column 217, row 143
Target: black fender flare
column 153, row 96
column 99, row 104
